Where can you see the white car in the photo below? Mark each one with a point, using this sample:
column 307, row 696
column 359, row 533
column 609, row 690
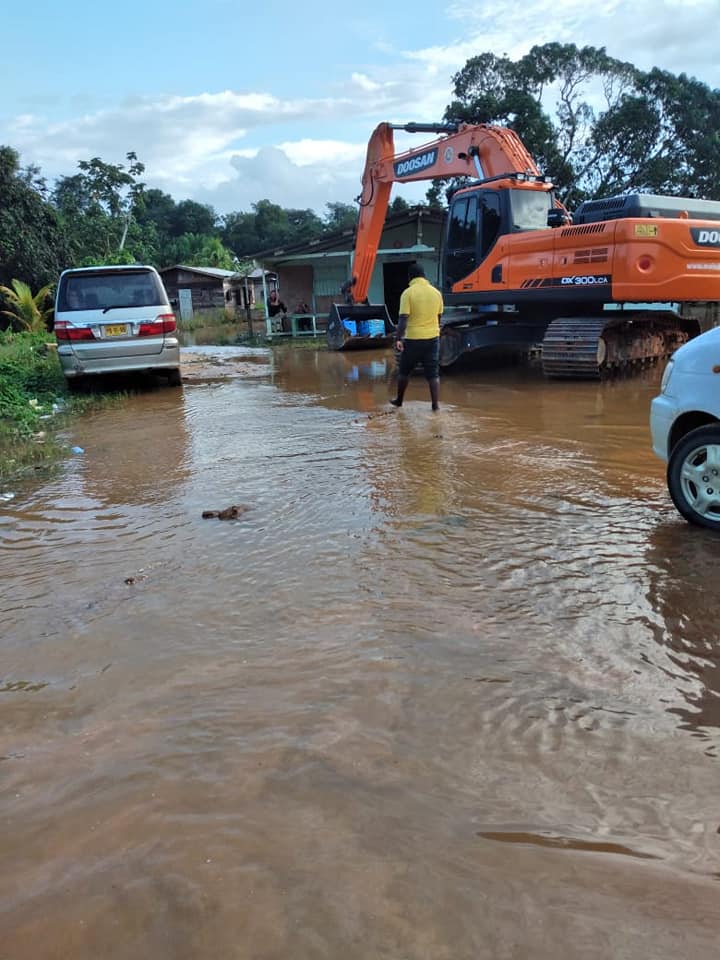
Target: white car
column 685, row 427
column 115, row 319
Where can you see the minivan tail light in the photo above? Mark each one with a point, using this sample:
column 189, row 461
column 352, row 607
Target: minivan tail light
column 164, row 323
column 66, row 331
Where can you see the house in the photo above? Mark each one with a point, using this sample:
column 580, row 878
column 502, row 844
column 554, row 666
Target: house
column 211, row 288
column 313, row 272
column 207, row 287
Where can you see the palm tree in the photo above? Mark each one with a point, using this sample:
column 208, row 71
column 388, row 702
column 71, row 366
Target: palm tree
column 27, row 312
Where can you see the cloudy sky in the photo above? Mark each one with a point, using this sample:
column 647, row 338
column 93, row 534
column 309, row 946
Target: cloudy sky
column 229, row 103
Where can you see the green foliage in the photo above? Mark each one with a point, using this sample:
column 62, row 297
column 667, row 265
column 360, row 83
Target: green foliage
column 340, row 216
column 117, row 258
column 97, row 207
column 597, row 125
column 198, row 250
column 34, row 400
column 269, row 225
column 33, row 245
column 27, row 312
column 30, row 380
column 191, row 217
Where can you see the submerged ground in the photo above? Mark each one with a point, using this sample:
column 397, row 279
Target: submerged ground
column 448, row 688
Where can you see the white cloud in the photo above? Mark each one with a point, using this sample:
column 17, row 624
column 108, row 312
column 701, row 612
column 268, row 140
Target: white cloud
column 185, row 142
column 233, row 148
column 364, row 82
column 306, row 174
column 676, row 35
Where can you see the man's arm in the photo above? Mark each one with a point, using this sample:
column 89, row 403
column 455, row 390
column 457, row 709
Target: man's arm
column 403, row 314
column 400, row 332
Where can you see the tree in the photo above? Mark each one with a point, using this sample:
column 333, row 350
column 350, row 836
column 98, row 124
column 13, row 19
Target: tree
column 191, row 217
column 157, row 208
column 595, row 124
column 198, row 250
column 33, row 244
column 303, row 225
column 340, row 216
column 239, row 233
column 27, row 312
column 399, row 205
column 98, row 205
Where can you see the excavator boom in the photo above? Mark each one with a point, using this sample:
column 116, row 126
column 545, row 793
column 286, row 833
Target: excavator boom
column 477, row 150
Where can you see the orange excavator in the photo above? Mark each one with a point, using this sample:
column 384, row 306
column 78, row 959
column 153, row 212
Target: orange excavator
column 600, row 291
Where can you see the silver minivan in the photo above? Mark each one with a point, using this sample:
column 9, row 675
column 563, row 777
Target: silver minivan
column 115, row 319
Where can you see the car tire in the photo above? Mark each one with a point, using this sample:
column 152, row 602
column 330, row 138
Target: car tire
column 174, row 378
column 76, row 384
column 693, row 476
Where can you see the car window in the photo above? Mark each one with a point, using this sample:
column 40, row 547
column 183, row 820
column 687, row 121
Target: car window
column 91, row 291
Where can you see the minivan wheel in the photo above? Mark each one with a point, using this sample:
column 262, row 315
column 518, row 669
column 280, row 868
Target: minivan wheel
column 693, row 476
column 174, row 378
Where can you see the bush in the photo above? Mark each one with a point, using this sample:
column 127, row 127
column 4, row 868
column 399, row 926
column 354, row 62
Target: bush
column 31, row 382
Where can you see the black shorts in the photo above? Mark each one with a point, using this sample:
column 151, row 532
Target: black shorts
column 426, row 352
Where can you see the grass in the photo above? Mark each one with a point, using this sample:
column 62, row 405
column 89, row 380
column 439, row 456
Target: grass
column 34, row 403
column 210, row 318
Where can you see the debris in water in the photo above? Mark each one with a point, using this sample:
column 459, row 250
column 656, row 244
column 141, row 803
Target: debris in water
column 229, row 513
column 77, row 450
column 6, row 497
column 131, row 580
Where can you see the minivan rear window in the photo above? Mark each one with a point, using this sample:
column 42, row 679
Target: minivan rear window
column 102, row 290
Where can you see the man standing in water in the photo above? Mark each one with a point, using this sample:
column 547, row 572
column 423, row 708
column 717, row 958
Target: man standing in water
column 418, row 334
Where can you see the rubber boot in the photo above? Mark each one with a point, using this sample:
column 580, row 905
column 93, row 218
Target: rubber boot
column 434, row 385
column 401, row 388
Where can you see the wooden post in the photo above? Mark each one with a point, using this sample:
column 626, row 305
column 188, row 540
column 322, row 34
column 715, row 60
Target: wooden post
column 248, row 308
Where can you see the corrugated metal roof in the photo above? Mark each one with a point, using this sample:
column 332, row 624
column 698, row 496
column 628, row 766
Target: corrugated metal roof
column 206, row 271
column 347, row 235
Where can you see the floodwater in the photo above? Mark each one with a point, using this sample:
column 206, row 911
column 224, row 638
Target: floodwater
column 449, row 689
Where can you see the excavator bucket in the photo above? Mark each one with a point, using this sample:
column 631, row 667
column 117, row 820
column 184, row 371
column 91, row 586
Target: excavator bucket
column 359, row 326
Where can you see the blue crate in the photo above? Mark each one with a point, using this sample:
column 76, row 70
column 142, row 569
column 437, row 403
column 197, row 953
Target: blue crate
column 371, row 328
column 377, row 328
column 350, row 326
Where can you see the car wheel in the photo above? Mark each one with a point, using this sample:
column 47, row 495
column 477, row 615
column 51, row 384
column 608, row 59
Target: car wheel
column 174, row 378
column 693, row 476
column 76, row 384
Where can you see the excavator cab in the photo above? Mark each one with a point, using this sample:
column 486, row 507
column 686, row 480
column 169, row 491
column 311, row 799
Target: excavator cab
column 478, row 216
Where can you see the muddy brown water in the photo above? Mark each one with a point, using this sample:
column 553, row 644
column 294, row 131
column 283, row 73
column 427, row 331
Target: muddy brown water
column 449, row 689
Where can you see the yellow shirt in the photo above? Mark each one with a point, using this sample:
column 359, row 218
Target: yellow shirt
column 422, row 304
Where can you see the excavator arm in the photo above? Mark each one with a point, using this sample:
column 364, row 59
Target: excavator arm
column 477, row 150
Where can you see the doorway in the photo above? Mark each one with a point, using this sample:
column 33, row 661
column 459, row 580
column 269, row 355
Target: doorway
column 395, row 280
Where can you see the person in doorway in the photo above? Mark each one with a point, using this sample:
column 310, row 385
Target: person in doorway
column 418, row 334
column 276, row 306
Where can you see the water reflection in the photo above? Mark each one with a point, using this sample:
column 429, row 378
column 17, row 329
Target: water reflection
column 358, row 381
column 459, row 652
column 374, row 370
column 135, row 453
column 683, row 589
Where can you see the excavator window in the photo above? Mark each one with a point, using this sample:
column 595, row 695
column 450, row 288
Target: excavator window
column 462, row 238
column 490, row 227
column 530, row 209
column 463, row 224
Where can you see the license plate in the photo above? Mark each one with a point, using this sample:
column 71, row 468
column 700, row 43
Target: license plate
column 115, row 329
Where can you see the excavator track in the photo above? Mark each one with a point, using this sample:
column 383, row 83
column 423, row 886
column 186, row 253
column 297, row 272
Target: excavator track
column 590, row 348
